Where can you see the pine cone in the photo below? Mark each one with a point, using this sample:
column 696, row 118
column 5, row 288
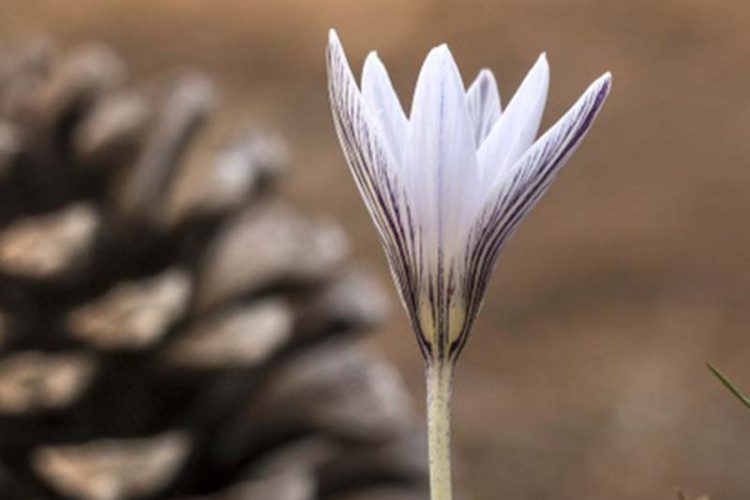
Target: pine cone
column 167, row 328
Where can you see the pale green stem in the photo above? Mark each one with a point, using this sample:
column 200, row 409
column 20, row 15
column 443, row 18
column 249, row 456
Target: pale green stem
column 439, row 382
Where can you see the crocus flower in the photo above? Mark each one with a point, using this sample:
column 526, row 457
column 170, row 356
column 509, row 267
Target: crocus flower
column 446, row 187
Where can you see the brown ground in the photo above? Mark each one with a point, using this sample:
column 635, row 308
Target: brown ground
column 585, row 376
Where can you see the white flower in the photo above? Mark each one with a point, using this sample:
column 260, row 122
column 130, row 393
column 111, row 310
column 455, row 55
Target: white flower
column 447, row 185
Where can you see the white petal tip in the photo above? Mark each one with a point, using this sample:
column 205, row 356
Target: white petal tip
column 372, row 65
column 543, row 61
column 539, row 72
column 487, row 74
column 540, row 69
column 604, row 82
column 372, row 57
column 333, row 37
column 441, row 51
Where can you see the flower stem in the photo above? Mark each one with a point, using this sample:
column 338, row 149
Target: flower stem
column 439, row 382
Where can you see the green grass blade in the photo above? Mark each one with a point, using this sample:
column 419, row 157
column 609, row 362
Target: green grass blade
column 729, row 385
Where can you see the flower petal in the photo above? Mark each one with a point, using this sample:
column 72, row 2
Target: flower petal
column 440, row 159
column 383, row 103
column 483, row 102
column 530, row 176
column 518, row 125
column 523, row 185
column 372, row 165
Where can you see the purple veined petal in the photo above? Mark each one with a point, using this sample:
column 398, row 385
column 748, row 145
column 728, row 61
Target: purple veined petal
column 378, row 93
column 523, row 185
column 440, row 162
column 518, row 124
column 440, row 159
column 374, row 172
column 536, row 168
column 483, row 102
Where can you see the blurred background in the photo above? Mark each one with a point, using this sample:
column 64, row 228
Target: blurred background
column 585, row 376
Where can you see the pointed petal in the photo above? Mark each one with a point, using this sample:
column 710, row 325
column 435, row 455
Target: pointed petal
column 375, row 174
column 530, row 176
column 518, row 125
column 440, row 158
column 524, row 184
column 383, row 103
column 483, row 102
